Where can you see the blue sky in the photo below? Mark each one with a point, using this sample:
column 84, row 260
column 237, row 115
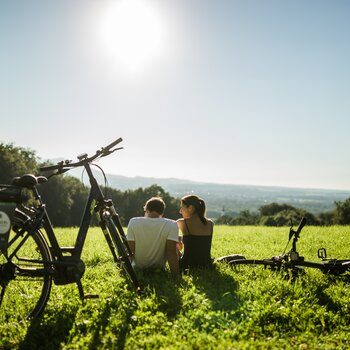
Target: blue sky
column 243, row 92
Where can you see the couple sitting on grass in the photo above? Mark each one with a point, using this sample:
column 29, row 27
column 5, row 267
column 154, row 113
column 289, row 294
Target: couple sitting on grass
column 155, row 240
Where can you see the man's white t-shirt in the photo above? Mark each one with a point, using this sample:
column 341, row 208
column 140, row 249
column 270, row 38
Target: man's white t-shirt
column 150, row 236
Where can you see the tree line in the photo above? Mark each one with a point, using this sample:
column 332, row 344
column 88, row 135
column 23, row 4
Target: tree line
column 65, row 198
column 276, row 214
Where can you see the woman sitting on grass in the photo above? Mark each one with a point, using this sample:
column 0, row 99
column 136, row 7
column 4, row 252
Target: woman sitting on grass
column 197, row 233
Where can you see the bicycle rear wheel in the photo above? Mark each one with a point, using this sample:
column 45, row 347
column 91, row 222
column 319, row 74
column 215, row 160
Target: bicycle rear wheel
column 25, row 282
column 123, row 255
column 289, row 270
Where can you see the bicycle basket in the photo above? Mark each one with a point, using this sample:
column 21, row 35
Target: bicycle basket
column 10, row 196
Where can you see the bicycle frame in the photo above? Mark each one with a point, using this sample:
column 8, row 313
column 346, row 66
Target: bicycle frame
column 96, row 204
column 95, row 201
column 70, row 268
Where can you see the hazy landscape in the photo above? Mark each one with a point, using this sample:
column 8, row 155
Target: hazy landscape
column 229, row 198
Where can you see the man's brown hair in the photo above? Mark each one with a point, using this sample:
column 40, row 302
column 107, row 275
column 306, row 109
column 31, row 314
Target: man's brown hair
column 155, row 204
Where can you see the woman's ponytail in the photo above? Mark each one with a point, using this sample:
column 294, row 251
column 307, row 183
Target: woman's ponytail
column 201, row 211
column 198, row 204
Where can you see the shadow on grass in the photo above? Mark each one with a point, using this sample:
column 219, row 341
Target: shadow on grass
column 165, row 288
column 219, row 287
column 50, row 332
column 343, row 278
column 328, row 300
column 101, row 325
column 119, row 330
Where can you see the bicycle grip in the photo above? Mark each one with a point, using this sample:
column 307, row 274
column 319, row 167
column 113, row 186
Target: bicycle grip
column 301, row 224
column 114, row 143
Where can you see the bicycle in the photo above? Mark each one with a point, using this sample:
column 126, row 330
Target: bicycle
column 31, row 257
column 292, row 261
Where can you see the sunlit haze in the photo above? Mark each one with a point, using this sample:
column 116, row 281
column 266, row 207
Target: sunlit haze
column 132, row 32
column 241, row 92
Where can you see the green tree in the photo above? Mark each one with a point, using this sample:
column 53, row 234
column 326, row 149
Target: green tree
column 245, row 217
column 132, row 202
column 16, row 161
column 273, row 208
column 327, row 218
column 342, row 212
column 65, row 198
column 275, row 214
column 225, row 220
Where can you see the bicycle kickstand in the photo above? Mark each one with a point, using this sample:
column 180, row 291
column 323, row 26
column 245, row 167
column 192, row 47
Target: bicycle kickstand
column 85, row 296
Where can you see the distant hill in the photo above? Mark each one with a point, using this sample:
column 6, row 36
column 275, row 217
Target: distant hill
column 231, row 199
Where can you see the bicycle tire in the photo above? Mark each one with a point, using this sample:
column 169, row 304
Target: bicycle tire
column 337, row 267
column 295, row 267
column 123, row 255
column 273, row 264
column 25, row 281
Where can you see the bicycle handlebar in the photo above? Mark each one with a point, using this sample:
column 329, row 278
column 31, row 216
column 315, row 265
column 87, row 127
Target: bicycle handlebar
column 296, row 233
column 301, row 225
column 66, row 165
column 114, row 143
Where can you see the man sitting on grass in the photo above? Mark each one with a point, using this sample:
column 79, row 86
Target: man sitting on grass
column 153, row 239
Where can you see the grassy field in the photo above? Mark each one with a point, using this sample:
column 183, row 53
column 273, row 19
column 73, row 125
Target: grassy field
column 251, row 308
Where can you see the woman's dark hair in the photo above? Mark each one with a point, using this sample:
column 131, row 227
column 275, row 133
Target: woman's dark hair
column 198, row 204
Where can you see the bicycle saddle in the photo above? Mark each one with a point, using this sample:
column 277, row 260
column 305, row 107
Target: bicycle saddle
column 28, row 180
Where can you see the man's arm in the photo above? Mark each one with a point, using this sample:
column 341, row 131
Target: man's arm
column 172, row 257
column 130, row 237
column 132, row 248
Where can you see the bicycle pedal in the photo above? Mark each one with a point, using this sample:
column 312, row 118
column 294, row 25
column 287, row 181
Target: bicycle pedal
column 91, row 296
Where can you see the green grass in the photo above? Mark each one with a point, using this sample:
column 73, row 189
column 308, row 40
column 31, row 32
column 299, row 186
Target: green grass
column 251, row 308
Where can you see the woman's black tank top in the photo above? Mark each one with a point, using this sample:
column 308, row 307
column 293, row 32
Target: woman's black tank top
column 196, row 250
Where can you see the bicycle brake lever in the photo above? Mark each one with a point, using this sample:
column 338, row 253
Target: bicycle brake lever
column 115, row 149
column 58, row 172
column 104, row 154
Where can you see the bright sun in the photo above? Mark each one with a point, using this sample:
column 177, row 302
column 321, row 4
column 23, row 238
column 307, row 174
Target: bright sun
column 132, row 32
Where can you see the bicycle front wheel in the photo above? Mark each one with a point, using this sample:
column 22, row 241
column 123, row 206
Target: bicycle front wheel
column 272, row 264
column 123, row 255
column 25, row 281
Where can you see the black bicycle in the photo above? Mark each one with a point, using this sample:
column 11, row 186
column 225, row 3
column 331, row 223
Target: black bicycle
column 31, row 256
column 292, row 261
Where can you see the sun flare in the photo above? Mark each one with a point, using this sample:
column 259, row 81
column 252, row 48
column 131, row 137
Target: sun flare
column 132, row 32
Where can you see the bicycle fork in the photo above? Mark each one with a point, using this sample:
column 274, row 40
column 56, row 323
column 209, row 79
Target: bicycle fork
column 109, row 241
